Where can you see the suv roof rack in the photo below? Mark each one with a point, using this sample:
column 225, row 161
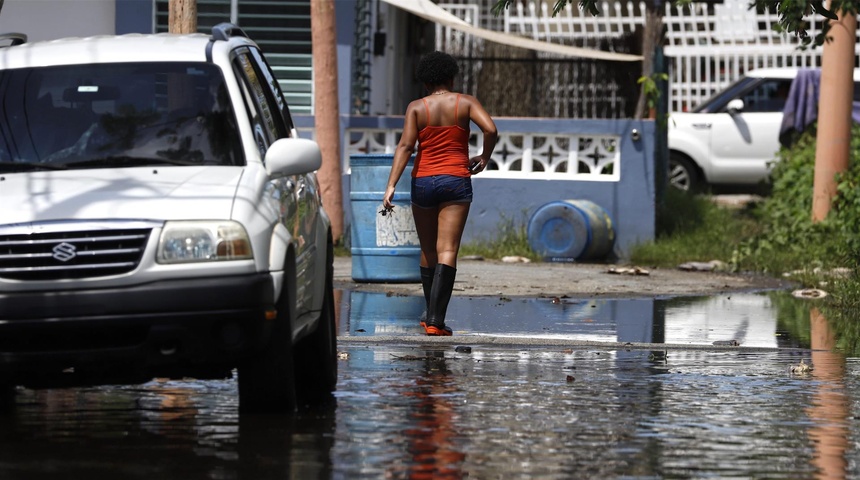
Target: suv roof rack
column 223, row 31
column 14, row 38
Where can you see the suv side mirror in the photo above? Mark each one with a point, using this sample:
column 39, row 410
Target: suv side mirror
column 292, row 156
column 735, row 106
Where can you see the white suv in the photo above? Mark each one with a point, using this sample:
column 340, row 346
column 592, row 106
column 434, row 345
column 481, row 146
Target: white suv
column 733, row 137
column 160, row 218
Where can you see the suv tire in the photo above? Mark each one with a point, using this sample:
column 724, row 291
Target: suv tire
column 316, row 354
column 267, row 381
column 683, row 174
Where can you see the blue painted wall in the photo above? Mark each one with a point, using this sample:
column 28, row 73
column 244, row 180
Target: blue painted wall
column 630, row 202
column 134, row 16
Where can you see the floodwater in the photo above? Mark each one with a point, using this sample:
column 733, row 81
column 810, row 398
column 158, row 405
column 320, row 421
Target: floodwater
column 404, row 411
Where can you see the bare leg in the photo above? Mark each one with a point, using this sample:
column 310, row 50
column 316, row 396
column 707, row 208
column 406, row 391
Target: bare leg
column 427, row 229
column 452, row 221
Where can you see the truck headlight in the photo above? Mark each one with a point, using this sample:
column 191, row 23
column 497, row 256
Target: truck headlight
column 203, row 241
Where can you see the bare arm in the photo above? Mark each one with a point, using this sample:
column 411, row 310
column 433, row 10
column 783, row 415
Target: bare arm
column 482, row 119
column 405, row 149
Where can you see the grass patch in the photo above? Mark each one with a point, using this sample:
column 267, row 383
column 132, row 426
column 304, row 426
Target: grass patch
column 695, row 229
column 510, row 238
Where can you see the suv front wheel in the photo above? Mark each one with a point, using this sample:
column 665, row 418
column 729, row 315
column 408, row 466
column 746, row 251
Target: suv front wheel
column 267, row 381
column 316, row 354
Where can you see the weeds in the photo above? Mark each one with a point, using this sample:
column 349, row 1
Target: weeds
column 510, row 238
column 694, row 229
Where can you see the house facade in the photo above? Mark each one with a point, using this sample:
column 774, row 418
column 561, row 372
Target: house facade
column 538, row 160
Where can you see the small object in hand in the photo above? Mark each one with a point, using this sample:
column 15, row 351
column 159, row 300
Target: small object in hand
column 475, row 167
column 386, row 210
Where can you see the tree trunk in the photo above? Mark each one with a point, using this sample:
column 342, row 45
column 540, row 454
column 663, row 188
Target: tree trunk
column 182, row 16
column 651, row 37
column 834, row 113
column 326, row 110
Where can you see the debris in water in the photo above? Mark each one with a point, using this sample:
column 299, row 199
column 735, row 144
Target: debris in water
column 801, row 367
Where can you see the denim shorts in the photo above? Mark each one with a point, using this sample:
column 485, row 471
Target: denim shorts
column 430, row 192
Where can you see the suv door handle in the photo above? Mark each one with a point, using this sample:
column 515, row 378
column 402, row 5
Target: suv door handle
column 701, row 126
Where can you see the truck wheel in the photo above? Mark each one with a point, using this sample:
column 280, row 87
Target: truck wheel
column 683, row 174
column 316, row 354
column 266, row 382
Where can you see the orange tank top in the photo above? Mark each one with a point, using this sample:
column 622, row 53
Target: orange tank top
column 442, row 150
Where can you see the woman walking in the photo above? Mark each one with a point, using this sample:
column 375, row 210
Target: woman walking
column 441, row 184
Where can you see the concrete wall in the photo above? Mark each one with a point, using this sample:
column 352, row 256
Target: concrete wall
column 52, row 19
column 630, row 202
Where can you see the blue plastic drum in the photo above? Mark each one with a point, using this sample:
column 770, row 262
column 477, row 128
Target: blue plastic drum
column 569, row 230
column 384, row 248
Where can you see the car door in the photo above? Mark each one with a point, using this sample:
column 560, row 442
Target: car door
column 744, row 142
column 297, row 211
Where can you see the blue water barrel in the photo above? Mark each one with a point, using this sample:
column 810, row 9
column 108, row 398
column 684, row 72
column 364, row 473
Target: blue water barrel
column 568, row 230
column 384, row 248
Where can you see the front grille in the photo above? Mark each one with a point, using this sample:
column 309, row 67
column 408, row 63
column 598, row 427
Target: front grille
column 71, row 255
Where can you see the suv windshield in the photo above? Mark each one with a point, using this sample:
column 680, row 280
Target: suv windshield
column 128, row 114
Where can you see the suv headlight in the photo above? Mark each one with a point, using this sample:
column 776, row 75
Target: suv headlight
column 203, row 241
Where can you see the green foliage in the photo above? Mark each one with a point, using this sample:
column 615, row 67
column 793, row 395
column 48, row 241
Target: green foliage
column 694, row 228
column 789, row 240
column 650, row 88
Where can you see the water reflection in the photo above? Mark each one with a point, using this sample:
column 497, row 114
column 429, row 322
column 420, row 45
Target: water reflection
column 830, row 407
column 433, row 412
column 749, row 319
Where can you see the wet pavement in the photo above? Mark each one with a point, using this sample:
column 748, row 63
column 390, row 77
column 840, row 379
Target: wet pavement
column 593, row 388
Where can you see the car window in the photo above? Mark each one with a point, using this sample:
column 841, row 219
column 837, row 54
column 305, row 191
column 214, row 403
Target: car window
column 266, row 118
column 274, row 87
column 768, row 96
column 718, row 101
column 121, row 114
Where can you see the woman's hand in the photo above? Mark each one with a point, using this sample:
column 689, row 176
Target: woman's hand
column 387, row 198
column 477, row 164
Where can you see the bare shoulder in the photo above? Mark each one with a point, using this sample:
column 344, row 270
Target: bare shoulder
column 469, row 98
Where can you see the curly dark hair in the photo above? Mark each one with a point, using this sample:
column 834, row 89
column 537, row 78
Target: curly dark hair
column 437, row 68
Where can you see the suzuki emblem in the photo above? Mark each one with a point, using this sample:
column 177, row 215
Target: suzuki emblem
column 64, row 251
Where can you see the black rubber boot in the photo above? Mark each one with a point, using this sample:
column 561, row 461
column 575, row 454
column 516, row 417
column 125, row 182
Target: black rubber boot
column 440, row 295
column 427, row 284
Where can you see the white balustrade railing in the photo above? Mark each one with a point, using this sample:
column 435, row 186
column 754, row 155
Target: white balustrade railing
column 517, row 154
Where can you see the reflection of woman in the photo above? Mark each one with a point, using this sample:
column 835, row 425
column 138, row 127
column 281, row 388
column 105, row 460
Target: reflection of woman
column 441, row 183
column 432, row 442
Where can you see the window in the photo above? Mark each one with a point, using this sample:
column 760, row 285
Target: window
column 768, row 96
column 265, row 115
column 83, row 115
